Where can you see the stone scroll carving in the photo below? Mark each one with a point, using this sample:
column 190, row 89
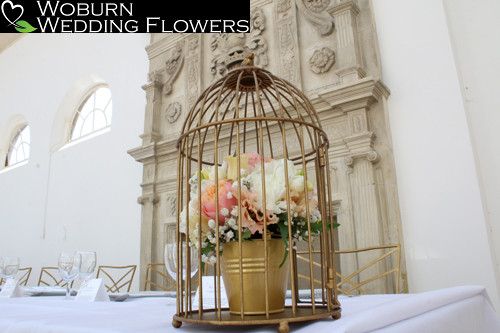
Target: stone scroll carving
column 315, row 12
column 173, row 66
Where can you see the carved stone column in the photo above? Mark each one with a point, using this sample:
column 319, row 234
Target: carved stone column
column 193, row 81
column 368, row 226
column 152, row 119
column 348, row 54
column 287, row 40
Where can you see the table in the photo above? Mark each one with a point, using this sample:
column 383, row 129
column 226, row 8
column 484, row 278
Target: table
column 457, row 309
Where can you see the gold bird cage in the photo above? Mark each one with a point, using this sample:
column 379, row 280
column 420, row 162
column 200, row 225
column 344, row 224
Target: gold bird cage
column 253, row 197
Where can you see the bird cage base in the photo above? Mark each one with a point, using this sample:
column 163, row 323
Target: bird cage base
column 302, row 313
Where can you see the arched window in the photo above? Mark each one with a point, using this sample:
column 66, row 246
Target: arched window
column 93, row 114
column 19, row 146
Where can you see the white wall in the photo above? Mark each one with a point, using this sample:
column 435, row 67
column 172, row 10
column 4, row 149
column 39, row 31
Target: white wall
column 83, row 196
column 475, row 39
column 444, row 224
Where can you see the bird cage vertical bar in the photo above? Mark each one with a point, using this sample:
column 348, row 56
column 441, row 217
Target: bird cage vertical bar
column 180, row 258
column 178, row 212
column 217, row 222
column 332, row 239
column 326, row 239
column 238, row 163
column 306, row 192
column 287, row 191
column 200, row 278
column 322, row 255
column 263, row 178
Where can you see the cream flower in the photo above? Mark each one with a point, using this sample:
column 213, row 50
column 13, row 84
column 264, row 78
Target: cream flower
column 275, row 182
column 297, row 183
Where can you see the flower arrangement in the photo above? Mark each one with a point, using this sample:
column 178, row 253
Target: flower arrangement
column 303, row 201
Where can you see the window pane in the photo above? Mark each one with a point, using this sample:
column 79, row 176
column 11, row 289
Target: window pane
column 19, row 146
column 87, row 126
column 93, row 114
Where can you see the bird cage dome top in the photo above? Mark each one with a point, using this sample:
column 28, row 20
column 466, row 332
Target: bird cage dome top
column 248, row 97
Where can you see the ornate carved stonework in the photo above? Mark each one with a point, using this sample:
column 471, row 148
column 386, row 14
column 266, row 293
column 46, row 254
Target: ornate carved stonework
column 337, row 68
column 173, row 66
column 315, row 12
column 322, row 60
column 172, row 112
column 283, row 7
column 228, row 48
column 287, row 52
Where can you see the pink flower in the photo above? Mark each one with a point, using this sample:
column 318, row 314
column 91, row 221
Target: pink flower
column 226, row 202
column 251, row 216
column 253, row 160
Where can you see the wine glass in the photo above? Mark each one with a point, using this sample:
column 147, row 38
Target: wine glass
column 88, row 261
column 8, row 267
column 68, row 264
column 171, row 259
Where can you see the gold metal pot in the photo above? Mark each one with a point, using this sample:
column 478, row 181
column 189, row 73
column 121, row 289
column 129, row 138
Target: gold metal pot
column 252, row 282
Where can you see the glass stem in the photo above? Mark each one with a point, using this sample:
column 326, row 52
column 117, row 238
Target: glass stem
column 68, row 290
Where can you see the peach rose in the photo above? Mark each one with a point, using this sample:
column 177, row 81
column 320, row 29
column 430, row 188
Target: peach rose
column 226, row 201
column 299, row 199
column 251, row 216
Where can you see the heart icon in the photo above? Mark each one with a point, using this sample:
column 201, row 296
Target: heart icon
column 11, row 12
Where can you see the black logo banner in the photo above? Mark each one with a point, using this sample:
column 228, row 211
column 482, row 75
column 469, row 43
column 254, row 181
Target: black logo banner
column 60, row 16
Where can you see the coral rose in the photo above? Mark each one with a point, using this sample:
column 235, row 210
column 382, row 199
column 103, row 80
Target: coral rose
column 226, row 201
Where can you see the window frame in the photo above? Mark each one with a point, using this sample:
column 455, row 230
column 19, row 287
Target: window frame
column 77, row 115
column 16, row 135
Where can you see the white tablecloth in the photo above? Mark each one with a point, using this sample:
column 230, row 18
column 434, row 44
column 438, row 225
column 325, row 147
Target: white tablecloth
column 457, row 309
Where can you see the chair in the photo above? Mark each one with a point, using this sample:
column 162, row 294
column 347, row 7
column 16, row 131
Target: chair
column 23, row 279
column 352, row 283
column 49, row 276
column 355, row 281
column 117, row 278
column 155, row 277
column 25, row 275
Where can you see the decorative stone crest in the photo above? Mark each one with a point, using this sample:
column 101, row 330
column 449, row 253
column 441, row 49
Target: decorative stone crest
column 230, row 48
column 322, row 60
column 316, row 6
column 172, row 112
column 173, row 66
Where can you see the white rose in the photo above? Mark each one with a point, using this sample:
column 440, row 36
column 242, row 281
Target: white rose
column 275, row 181
column 222, row 172
column 297, row 184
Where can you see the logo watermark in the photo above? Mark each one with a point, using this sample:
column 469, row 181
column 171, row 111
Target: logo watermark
column 12, row 13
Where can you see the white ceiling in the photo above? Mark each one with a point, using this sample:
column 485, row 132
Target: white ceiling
column 7, row 40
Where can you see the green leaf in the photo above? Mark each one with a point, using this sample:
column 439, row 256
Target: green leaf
column 284, row 259
column 246, row 235
column 317, row 227
column 23, row 26
column 283, row 232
